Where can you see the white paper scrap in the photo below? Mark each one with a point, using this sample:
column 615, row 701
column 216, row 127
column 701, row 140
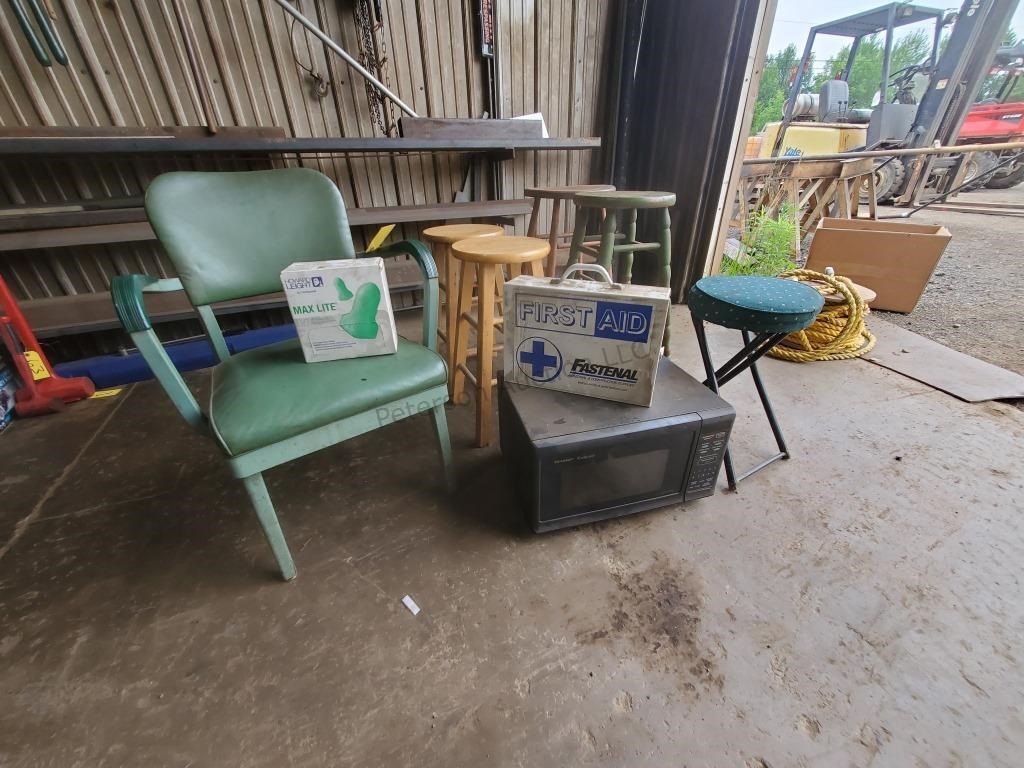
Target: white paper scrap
column 409, row 603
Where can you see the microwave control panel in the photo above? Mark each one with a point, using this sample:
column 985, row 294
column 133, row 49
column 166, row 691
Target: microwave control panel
column 707, row 461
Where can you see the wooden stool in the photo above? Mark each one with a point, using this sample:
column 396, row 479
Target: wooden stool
column 556, row 195
column 624, row 204
column 488, row 256
column 443, row 236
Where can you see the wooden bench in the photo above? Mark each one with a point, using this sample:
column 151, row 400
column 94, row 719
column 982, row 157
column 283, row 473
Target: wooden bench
column 64, row 228
column 85, row 312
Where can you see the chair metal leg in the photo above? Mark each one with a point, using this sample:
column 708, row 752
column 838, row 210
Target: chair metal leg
column 271, row 527
column 444, row 444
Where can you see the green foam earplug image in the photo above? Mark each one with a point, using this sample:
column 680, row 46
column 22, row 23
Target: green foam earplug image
column 361, row 322
column 344, row 294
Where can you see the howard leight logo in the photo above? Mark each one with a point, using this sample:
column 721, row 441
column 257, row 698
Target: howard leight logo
column 295, row 283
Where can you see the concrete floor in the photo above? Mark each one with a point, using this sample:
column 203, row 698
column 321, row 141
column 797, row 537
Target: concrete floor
column 858, row 605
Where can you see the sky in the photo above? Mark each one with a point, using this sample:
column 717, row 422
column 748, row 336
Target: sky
column 794, row 18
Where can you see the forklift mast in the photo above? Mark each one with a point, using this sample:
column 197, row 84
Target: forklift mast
column 955, row 77
column 960, row 70
column 887, row 19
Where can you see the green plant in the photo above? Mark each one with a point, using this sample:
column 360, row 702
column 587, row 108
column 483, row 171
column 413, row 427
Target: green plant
column 766, row 245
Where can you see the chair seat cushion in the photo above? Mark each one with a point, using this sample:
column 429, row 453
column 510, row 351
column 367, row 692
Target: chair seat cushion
column 269, row 394
column 756, row 304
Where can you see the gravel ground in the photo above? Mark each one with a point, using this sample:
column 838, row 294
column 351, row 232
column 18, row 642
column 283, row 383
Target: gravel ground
column 973, row 302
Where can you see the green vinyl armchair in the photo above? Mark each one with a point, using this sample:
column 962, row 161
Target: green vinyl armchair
column 229, row 235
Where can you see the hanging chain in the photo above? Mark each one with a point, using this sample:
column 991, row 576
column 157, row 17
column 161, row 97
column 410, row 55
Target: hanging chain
column 373, row 56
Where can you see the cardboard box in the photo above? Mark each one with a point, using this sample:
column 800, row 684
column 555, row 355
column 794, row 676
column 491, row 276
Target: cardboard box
column 341, row 308
column 894, row 259
column 585, row 337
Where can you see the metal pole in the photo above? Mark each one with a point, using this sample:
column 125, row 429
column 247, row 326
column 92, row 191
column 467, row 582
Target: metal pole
column 887, row 56
column 794, row 91
column 950, row 150
column 341, row 52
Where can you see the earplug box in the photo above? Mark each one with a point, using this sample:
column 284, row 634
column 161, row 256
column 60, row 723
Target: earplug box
column 341, row 308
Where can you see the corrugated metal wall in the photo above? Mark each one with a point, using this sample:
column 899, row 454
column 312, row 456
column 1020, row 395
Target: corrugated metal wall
column 130, row 67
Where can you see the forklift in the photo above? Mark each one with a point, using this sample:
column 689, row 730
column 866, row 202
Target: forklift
column 917, row 106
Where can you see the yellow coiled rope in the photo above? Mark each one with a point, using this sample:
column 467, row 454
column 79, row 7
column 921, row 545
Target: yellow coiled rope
column 838, row 333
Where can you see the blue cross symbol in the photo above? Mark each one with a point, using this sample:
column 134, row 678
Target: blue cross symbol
column 536, row 361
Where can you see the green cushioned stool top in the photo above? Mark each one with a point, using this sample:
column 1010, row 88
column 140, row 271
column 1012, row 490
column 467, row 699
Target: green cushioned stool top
column 756, row 304
column 268, row 394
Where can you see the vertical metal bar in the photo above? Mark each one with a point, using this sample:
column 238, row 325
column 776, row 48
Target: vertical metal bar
column 849, row 59
column 884, row 88
column 794, row 91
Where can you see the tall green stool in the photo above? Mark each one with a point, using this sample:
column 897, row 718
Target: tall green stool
column 768, row 307
column 620, row 208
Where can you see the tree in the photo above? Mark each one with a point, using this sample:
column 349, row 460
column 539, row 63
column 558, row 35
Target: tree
column 864, row 77
column 771, row 95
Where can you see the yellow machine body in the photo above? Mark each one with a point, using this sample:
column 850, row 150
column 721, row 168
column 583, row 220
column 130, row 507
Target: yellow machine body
column 814, row 138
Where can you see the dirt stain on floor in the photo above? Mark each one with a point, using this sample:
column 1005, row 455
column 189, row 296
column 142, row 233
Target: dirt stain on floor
column 655, row 615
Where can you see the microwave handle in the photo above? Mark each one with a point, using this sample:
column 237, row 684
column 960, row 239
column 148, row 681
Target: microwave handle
column 581, row 267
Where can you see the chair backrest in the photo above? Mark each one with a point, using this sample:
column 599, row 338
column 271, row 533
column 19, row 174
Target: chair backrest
column 229, row 235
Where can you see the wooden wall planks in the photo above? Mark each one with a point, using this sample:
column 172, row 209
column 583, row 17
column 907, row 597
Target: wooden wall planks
column 130, row 66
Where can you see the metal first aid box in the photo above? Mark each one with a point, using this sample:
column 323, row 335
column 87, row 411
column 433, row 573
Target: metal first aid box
column 584, row 337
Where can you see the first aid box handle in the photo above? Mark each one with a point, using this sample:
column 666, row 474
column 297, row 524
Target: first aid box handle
column 580, row 267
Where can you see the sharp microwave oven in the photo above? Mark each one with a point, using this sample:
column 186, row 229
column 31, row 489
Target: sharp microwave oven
column 579, row 459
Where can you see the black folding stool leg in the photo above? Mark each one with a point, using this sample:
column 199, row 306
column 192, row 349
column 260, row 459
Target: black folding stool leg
column 747, row 357
column 768, row 411
column 712, row 384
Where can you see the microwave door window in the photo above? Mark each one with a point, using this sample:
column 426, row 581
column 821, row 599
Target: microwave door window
column 598, row 484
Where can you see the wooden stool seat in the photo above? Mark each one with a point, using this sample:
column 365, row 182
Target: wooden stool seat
column 511, row 251
column 556, row 195
column 625, row 199
column 566, row 193
column 452, row 233
column 443, row 236
column 487, row 257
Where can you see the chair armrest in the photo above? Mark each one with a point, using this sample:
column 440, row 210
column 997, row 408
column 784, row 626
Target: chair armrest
column 127, row 294
column 418, row 251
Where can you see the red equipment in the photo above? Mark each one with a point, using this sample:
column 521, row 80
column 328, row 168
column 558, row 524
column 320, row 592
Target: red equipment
column 49, row 394
column 993, row 122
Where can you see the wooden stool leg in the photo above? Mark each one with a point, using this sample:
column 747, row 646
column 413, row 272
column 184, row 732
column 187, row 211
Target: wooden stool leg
column 556, row 215
column 578, row 233
column 499, row 289
column 535, row 268
column 606, row 252
column 665, row 268
column 626, row 268
column 484, row 356
column 451, row 298
column 531, row 229
column 456, row 374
